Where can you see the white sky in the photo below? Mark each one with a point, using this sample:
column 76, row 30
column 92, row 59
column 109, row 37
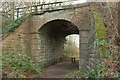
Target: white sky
column 76, row 1
column 60, row 0
column 75, row 38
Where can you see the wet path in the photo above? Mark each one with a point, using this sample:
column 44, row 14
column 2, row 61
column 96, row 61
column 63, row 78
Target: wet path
column 60, row 69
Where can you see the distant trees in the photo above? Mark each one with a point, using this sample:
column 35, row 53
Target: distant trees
column 8, row 10
column 71, row 50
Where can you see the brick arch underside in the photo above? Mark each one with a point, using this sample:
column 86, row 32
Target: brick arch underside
column 51, row 36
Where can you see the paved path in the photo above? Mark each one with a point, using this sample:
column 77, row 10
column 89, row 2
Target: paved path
column 60, row 69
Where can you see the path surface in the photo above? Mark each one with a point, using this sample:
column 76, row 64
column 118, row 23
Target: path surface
column 60, row 69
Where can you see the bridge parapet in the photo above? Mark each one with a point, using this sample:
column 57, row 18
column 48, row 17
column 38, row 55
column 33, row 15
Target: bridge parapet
column 49, row 7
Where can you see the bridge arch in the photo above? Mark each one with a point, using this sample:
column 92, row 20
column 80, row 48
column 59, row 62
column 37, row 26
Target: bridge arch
column 51, row 36
column 60, row 25
column 48, row 28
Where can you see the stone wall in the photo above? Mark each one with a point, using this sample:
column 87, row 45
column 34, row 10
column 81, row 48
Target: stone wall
column 50, row 51
column 79, row 16
column 18, row 41
column 84, row 54
column 46, row 48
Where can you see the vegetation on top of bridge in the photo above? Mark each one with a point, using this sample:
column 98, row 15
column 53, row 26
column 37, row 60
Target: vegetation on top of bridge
column 12, row 26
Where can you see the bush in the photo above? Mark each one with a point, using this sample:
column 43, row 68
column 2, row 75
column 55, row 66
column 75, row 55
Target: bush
column 20, row 63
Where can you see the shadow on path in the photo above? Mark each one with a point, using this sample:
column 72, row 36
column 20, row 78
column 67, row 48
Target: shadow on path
column 60, row 69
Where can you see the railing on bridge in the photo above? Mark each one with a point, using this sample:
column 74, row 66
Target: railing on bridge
column 40, row 9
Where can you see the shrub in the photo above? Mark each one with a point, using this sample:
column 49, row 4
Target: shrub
column 21, row 64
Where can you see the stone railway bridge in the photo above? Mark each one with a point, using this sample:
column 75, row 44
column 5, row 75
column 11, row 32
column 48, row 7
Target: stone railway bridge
column 42, row 34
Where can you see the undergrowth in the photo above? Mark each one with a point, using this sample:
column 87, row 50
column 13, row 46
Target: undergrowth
column 18, row 65
column 11, row 27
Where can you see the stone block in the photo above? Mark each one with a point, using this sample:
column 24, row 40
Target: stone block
column 91, row 46
column 84, row 54
column 83, row 46
column 88, row 68
column 92, row 55
column 82, row 68
column 84, row 34
column 34, row 47
column 84, row 26
column 91, row 59
column 84, row 61
column 92, row 51
column 84, row 40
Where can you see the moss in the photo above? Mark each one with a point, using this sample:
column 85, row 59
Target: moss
column 101, row 30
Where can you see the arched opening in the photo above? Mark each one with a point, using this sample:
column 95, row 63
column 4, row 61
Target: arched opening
column 71, row 48
column 51, row 40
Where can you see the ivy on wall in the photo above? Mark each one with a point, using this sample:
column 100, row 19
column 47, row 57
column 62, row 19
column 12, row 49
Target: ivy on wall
column 11, row 27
